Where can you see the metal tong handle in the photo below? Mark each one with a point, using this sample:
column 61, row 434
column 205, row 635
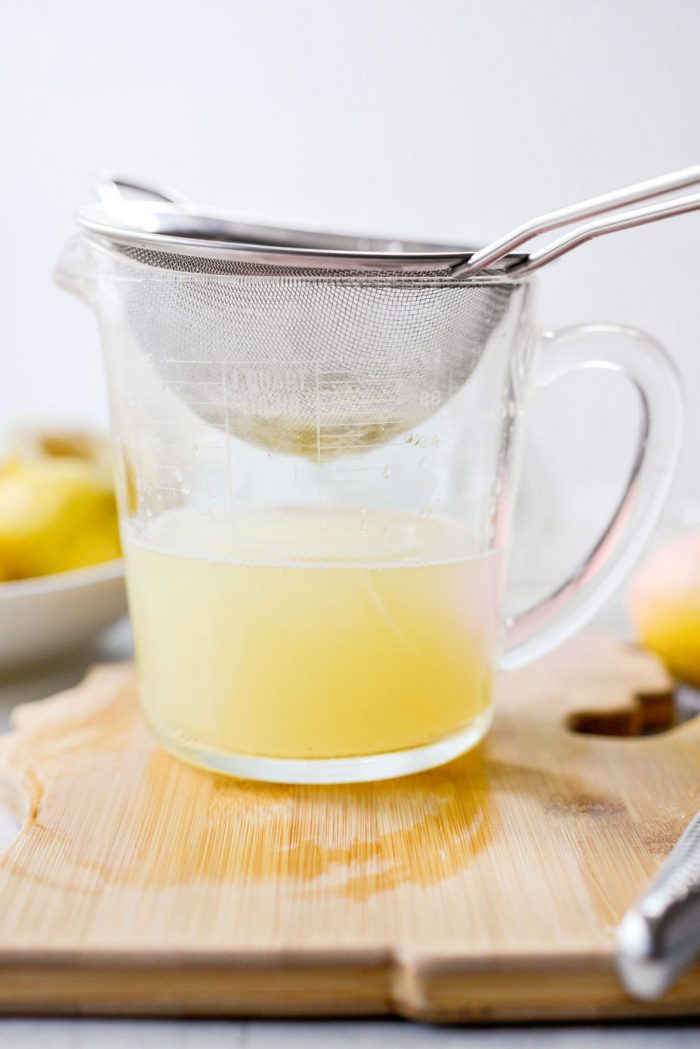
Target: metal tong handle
column 659, row 937
column 587, row 209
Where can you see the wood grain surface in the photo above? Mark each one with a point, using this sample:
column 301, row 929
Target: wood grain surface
column 485, row 890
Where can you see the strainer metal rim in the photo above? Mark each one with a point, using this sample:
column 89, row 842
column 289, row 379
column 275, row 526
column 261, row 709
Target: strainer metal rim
column 184, row 230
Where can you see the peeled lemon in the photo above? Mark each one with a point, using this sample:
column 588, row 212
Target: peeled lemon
column 57, row 505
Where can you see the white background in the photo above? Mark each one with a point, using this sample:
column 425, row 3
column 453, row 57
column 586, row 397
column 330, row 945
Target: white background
column 451, row 119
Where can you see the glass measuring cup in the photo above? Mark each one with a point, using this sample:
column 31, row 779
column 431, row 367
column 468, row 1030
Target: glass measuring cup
column 316, row 467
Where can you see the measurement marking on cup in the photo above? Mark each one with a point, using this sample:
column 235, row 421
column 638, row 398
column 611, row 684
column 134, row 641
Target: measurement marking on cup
column 331, row 449
column 344, row 471
column 195, row 382
column 342, row 428
column 186, row 446
column 249, row 363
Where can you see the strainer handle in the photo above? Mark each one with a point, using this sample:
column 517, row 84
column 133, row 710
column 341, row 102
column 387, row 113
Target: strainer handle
column 640, row 359
column 113, row 189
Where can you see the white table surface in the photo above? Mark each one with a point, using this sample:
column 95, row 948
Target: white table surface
column 389, row 1034
column 27, row 1033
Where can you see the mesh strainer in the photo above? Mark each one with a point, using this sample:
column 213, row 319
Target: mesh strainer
column 322, row 343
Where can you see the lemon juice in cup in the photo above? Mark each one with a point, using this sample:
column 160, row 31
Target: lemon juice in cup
column 313, row 638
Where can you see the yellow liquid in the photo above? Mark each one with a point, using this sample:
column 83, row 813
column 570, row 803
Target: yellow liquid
column 293, row 636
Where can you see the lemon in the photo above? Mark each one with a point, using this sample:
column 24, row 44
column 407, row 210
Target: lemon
column 57, row 506
column 665, row 606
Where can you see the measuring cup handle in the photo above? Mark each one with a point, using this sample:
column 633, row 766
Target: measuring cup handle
column 643, row 361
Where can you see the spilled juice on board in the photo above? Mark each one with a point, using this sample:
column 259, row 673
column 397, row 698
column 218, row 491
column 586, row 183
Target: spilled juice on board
column 285, row 633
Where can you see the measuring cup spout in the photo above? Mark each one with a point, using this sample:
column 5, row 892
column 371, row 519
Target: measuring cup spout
column 74, row 269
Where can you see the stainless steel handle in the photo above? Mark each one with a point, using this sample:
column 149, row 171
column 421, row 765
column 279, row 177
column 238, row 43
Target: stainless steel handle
column 586, row 209
column 659, row 937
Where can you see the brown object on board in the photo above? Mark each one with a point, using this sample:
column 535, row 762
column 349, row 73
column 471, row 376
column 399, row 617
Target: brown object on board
column 484, row 890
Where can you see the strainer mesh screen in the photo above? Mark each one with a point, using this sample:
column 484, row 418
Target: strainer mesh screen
column 303, row 359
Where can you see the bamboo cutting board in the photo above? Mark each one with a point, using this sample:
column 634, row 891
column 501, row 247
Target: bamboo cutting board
column 484, row 890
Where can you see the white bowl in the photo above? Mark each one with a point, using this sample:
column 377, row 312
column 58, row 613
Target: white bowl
column 42, row 617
